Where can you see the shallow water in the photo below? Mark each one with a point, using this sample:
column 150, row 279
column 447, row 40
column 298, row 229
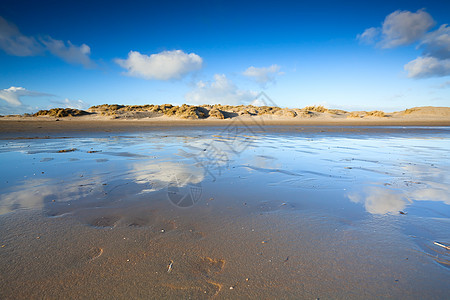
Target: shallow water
column 227, row 212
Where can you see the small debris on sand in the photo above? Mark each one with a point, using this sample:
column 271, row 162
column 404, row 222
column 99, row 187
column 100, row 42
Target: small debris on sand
column 442, row 245
column 169, row 268
column 66, row 150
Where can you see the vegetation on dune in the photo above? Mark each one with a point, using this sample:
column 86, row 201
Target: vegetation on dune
column 61, row 112
column 267, row 110
column 363, row 114
column 286, row 112
column 316, row 108
column 184, row 111
column 375, row 113
column 410, row 110
column 354, row 114
column 337, row 111
column 217, row 111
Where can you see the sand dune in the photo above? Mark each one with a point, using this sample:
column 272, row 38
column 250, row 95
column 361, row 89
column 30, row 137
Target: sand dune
column 115, row 116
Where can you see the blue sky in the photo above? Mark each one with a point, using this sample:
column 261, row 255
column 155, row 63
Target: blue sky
column 353, row 55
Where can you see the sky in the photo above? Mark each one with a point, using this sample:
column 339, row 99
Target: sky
column 352, row 55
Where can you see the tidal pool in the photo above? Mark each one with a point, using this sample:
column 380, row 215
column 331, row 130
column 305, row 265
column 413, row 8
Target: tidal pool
column 242, row 212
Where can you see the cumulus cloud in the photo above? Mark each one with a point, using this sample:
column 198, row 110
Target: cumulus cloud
column 13, row 94
column 437, row 43
column 13, row 103
column 70, row 53
column 13, row 42
column 424, row 67
column 263, row 75
column 405, row 27
column 435, row 61
column 220, row 91
column 369, row 36
column 398, row 29
column 161, row 66
column 402, row 28
column 67, row 103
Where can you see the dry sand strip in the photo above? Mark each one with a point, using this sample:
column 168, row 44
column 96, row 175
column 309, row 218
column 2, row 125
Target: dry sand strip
column 86, row 124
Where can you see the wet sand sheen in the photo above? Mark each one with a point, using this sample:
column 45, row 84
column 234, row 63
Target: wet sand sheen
column 256, row 257
column 268, row 222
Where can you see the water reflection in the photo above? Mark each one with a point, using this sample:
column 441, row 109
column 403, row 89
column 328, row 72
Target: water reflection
column 29, row 195
column 36, row 193
column 432, row 183
column 158, row 175
column 382, row 180
column 417, row 182
column 378, row 200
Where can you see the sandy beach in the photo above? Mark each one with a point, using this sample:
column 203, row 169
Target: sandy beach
column 136, row 208
column 224, row 150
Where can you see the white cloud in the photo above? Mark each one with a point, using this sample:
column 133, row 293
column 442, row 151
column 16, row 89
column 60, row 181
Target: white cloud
column 405, row 27
column 398, row 29
column 402, row 28
column 220, row 91
column 369, row 36
column 424, row 67
column 13, row 94
column 67, row 103
column 70, row 53
column 13, row 42
column 161, row 66
column 435, row 61
column 263, row 75
column 437, row 43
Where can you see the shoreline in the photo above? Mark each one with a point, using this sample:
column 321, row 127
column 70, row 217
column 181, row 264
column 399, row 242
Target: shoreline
column 53, row 125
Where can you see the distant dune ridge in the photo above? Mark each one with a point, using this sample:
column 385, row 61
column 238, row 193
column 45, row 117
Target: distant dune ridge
column 129, row 116
column 218, row 111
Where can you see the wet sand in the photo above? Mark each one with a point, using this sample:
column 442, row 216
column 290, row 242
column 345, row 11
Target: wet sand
column 273, row 212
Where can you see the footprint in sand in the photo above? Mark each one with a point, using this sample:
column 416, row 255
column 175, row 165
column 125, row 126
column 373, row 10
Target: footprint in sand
column 208, row 266
column 94, row 253
column 201, row 290
column 196, row 235
column 106, row 221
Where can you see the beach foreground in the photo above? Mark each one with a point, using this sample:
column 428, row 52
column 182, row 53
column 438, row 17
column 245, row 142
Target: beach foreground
column 223, row 212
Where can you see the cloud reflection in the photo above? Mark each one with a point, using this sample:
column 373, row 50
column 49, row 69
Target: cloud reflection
column 160, row 174
column 378, row 200
column 34, row 193
column 425, row 183
column 432, row 183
